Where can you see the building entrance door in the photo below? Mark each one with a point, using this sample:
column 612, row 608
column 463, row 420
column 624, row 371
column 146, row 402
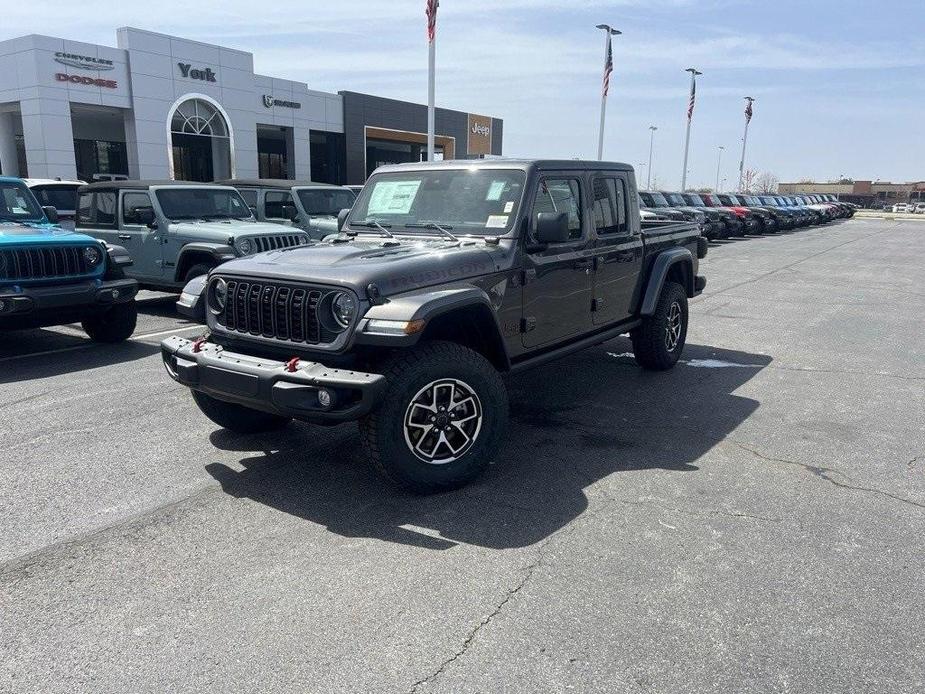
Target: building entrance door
column 192, row 158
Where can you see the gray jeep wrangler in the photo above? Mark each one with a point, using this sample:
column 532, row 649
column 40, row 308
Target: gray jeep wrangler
column 312, row 207
column 175, row 231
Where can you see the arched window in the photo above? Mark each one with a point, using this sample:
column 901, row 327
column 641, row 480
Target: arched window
column 198, row 117
column 201, row 141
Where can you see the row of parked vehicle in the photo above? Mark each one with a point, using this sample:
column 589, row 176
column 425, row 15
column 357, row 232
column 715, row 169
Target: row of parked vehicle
column 727, row 215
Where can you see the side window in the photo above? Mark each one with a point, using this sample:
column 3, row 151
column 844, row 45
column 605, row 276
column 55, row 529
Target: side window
column 610, row 206
column 105, row 207
column 560, row 195
column 85, row 209
column 274, row 202
column 130, row 204
column 250, row 197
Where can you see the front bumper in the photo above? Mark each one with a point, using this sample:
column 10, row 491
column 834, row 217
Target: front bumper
column 22, row 307
column 267, row 385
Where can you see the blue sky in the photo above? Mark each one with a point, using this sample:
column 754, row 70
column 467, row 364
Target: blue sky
column 840, row 84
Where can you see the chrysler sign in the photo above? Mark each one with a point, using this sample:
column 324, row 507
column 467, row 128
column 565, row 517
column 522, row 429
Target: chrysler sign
column 270, row 101
column 83, row 62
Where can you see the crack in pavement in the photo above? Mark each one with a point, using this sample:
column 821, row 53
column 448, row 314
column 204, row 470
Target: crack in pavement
column 826, row 473
column 474, row 632
column 693, row 514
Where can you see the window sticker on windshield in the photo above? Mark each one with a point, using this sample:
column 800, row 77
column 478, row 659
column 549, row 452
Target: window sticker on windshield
column 495, row 190
column 393, row 197
column 496, row 221
column 508, row 207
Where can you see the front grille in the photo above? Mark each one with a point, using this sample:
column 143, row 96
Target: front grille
column 272, row 243
column 42, row 262
column 280, row 311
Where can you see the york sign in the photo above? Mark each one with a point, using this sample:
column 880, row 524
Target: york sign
column 206, row 75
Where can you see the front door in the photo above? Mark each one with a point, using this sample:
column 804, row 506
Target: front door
column 145, row 245
column 618, row 251
column 557, row 278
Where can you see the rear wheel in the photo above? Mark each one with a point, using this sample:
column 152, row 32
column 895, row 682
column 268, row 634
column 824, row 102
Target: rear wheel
column 115, row 324
column 441, row 420
column 659, row 341
column 237, row 418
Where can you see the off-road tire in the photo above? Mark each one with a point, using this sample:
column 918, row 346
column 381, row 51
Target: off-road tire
column 237, row 418
column 197, row 270
column 115, row 324
column 410, row 371
column 650, row 343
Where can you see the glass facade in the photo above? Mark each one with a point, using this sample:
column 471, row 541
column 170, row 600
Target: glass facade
column 100, row 157
column 328, row 157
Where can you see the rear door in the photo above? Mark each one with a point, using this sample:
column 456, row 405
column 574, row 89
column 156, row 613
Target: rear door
column 618, row 250
column 557, row 278
column 96, row 215
column 145, row 245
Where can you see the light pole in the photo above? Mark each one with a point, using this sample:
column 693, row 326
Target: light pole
column 748, row 119
column 690, row 115
column 652, row 130
column 609, row 31
column 719, row 159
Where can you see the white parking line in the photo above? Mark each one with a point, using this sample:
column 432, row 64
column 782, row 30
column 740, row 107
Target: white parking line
column 73, row 348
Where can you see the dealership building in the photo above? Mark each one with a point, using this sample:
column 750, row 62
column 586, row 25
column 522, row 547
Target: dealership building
column 162, row 107
column 864, row 193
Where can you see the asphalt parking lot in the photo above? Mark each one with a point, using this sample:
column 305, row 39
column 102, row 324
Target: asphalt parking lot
column 753, row 521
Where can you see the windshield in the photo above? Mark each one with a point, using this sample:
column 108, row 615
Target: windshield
column 729, row 200
column 18, row 204
column 676, row 199
column 694, row 199
column 658, row 200
column 61, row 197
column 202, row 203
column 472, row 200
column 326, row 202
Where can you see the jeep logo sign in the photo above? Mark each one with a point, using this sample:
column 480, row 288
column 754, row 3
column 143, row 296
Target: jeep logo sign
column 479, row 135
column 206, row 75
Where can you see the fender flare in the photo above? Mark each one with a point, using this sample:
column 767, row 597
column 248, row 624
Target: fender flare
column 118, row 256
column 220, row 252
column 660, row 269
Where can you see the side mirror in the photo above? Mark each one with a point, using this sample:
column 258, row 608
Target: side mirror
column 51, row 214
column 290, row 212
column 145, row 215
column 342, row 218
column 552, row 227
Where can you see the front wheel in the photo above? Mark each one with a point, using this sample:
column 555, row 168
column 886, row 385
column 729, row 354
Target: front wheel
column 115, row 324
column 659, row 341
column 441, row 419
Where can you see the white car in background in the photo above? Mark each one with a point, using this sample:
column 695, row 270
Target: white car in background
column 919, row 208
column 902, row 207
column 62, row 195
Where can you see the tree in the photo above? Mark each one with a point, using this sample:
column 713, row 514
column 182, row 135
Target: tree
column 748, row 180
column 766, row 182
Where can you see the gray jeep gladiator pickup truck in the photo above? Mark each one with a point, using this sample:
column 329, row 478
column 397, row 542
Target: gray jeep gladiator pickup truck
column 444, row 276
column 176, row 230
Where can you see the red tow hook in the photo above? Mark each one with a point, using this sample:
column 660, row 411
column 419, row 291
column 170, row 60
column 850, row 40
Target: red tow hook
column 292, row 365
column 198, row 343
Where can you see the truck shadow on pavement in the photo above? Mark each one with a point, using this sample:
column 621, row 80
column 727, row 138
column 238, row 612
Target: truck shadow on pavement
column 573, row 423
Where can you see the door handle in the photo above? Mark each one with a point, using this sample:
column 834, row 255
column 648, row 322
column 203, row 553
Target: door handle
column 125, row 237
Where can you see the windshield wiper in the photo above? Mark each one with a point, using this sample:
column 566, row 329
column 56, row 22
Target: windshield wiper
column 443, row 229
column 375, row 224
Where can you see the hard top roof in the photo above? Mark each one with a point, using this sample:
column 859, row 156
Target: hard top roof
column 503, row 163
column 144, row 185
column 274, row 183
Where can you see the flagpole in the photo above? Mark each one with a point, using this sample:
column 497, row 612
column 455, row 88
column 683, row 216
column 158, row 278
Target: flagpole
column 719, row 159
column 652, row 130
column 748, row 120
column 608, row 32
column 690, row 117
column 431, row 75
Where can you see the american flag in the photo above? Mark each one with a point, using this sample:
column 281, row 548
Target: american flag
column 693, row 99
column 608, row 67
column 748, row 112
column 431, row 13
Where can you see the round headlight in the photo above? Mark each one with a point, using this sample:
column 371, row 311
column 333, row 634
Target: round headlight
column 303, row 240
column 219, row 294
column 93, row 255
column 244, row 245
column 344, row 308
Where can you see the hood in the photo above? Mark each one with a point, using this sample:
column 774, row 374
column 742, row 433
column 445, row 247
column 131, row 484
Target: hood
column 225, row 229
column 324, row 223
column 20, row 233
column 394, row 265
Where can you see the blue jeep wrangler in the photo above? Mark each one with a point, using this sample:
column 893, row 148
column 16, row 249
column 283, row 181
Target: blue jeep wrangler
column 51, row 276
